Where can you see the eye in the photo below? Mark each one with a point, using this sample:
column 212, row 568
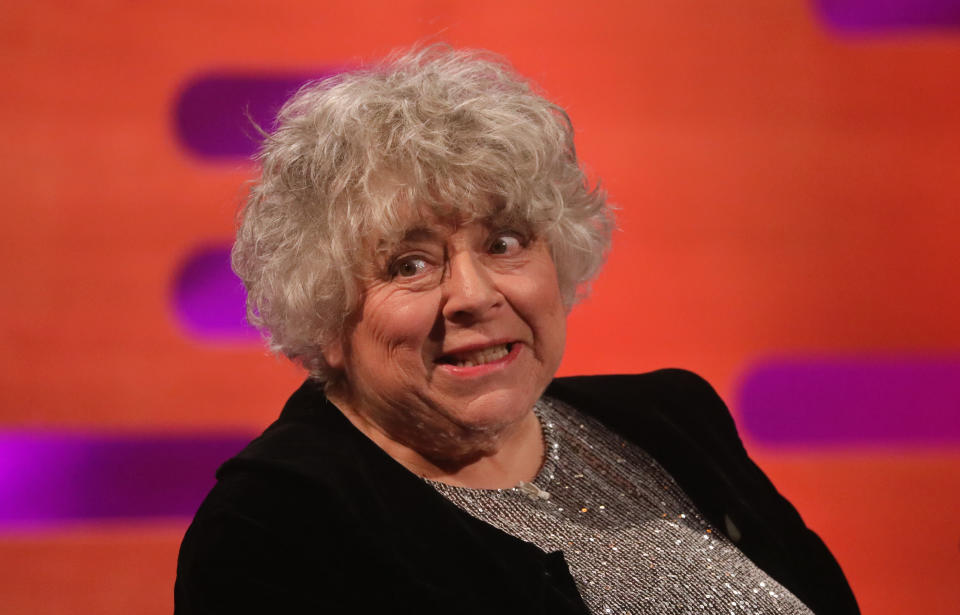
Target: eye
column 506, row 243
column 408, row 266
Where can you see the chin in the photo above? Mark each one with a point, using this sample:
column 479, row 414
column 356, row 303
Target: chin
column 496, row 411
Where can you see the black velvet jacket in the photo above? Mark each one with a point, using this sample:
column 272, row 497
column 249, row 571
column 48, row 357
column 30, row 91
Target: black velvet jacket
column 312, row 517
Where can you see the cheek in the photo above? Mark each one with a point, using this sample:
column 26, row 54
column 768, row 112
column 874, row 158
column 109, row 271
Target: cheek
column 554, row 314
column 554, row 329
column 395, row 324
column 546, row 291
column 539, row 300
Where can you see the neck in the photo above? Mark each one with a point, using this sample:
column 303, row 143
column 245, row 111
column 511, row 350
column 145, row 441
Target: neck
column 518, row 458
column 516, row 454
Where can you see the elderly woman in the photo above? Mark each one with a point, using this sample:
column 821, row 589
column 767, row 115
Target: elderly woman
column 416, row 239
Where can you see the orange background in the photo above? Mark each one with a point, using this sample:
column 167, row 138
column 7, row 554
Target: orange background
column 784, row 190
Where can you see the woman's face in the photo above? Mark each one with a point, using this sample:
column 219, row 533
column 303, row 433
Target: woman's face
column 460, row 330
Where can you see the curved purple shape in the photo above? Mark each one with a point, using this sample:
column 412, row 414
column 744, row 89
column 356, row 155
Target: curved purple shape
column 213, row 112
column 55, row 476
column 852, row 402
column 209, row 300
column 867, row 15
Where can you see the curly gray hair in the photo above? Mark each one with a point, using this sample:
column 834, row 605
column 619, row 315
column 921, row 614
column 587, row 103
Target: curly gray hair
column 456, row 132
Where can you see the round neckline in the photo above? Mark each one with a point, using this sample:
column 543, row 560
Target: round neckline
column 543, row 409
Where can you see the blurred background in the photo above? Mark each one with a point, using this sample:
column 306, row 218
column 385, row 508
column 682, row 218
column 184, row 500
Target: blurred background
column 789, row 208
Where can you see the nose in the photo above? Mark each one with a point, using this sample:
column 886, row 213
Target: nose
column 469, row 290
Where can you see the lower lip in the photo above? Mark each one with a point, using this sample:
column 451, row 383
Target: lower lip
column 482, row 370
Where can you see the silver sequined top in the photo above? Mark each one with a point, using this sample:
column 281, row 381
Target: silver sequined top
column 632, row 538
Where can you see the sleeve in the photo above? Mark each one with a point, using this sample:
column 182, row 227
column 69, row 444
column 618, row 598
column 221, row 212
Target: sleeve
column 257, row 547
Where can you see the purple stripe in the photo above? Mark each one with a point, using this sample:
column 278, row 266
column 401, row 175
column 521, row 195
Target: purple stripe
column 866, row 15
column 209, row 300
column 852, row 402
column 49, row 477
column 213, row 113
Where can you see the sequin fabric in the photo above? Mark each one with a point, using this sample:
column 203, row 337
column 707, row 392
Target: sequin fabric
column 633, row 540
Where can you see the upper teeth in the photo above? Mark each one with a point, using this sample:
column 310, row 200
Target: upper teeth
column 479, row 357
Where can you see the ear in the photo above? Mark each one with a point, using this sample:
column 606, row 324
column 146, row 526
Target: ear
column 333, row 354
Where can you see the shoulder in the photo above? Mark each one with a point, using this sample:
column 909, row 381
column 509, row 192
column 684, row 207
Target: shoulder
column 662, row 384
column 311, row 445
column 667, row 402
column 678, row 418
column 310, row 465
column 288, row 509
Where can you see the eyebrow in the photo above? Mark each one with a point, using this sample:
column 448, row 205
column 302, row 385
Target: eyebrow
column 419, row 233
column 411, row 235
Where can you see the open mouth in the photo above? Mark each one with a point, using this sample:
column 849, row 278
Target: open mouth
column 477, row 357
